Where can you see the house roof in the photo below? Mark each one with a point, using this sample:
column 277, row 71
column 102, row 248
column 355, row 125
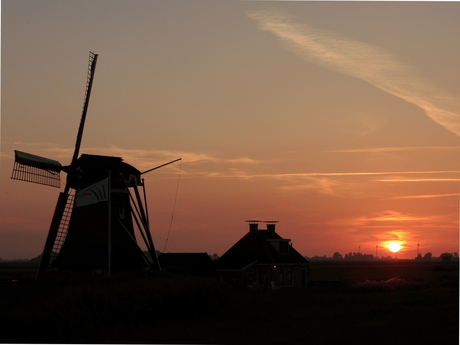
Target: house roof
column 257, row 246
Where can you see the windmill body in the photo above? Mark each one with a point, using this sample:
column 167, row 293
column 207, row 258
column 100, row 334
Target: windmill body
column 86, row 246
column 94, row 222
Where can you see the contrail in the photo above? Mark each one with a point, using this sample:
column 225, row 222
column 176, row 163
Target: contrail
column 364, row 61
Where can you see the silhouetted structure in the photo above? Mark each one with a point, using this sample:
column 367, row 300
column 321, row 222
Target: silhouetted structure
column 96, row 232
column 263, row 258
column 199, row 264
column 86, row 246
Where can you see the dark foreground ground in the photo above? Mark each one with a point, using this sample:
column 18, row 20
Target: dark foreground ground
column 400, row 302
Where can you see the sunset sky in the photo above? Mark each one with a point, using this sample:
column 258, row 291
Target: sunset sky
column 340, row 120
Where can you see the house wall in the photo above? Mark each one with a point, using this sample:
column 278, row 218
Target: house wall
column 262, row 275
column 290, row 275
column 280, row 275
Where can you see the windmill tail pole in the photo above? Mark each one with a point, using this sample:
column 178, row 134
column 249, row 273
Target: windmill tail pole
column 160, row 166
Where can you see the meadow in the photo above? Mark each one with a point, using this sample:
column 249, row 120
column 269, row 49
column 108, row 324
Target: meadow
column 401, row 302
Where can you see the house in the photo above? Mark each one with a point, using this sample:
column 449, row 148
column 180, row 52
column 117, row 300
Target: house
column 262, row 258
column 199, row 264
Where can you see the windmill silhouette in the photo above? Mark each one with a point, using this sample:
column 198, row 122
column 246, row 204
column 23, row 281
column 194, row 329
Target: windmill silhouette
column 92, row 228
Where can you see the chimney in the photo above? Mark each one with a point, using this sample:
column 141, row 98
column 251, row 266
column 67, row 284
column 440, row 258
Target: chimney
column 253, row 225
column 271, row 225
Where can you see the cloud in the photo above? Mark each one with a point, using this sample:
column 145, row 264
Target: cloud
column 324, row 185
column 399, row 149
column 426, row 196
column 364, row 61
column 419, row 180
column 142, row 159
column 389, row 215
column 393, row 220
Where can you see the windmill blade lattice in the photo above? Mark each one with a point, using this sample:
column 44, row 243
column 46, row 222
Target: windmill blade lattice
column 36, row 169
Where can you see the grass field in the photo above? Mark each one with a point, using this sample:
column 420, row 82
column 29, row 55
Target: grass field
column 346, row 303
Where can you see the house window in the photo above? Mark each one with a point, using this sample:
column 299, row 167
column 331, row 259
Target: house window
column 290, row 279
column 284, row 248
column 263, row 277
column 281, row 277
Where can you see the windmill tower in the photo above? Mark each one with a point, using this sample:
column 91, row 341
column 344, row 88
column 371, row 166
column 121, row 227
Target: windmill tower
column 92, row 228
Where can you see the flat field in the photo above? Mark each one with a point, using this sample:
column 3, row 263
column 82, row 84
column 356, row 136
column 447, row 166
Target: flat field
column 397, row 302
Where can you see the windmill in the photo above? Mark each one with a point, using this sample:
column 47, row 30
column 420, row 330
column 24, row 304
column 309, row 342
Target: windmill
column 92, row 228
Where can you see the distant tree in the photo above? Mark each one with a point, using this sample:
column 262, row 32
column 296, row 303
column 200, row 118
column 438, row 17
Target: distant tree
column 337, row 256
column 36, row 259
column 427, row 256
column 446, row 256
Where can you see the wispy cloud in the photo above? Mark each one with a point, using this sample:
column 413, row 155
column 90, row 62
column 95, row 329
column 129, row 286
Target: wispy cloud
column 364, row 61
column 140, row 158
column 324, row 185
column 424, row 196
column 419, row 180
column 392, row 216
column 390, row 219
column 399, row 149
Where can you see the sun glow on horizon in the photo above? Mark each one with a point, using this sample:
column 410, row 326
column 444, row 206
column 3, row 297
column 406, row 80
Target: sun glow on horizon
column 394, row 246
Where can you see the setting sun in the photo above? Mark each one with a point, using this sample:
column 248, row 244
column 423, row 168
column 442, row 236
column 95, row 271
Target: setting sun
column 394, row 247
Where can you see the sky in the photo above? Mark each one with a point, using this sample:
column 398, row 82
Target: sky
column 340, row 120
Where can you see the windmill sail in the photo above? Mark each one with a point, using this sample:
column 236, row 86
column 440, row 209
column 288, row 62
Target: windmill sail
column 63, row 197
column 36, row 169
column 63, row 228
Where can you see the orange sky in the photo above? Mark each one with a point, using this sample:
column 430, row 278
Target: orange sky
column 338, row 119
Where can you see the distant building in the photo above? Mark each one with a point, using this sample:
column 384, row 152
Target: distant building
column 262, row 258
column 199, row 264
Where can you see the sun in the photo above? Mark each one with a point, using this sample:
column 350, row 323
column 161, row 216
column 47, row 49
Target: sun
column 394, row 247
